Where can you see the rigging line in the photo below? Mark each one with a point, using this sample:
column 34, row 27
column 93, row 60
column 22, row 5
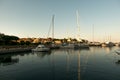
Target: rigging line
column 49, row 30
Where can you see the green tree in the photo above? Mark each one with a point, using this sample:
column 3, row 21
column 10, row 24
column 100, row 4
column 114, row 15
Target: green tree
column 8, row 40
column 22, row 42
column 27, row 43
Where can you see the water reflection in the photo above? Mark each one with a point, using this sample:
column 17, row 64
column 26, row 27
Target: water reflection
column 78, row 65
column 100, row 64
column 8, row 60
column 63, row 64
column 118, row 62
column 42, row 54
column 108, row 49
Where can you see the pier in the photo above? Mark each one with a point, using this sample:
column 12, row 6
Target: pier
column 6, row 50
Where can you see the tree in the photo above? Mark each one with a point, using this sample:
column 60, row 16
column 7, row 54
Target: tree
column 22, row 42
column 14, row 38
column 1, row 35
column 27, row 42
column 7, row 40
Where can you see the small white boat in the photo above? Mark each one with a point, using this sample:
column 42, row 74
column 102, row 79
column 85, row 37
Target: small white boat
column 41, row 48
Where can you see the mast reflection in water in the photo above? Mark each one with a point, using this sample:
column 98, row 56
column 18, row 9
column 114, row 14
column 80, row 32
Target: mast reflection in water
column 95, row 63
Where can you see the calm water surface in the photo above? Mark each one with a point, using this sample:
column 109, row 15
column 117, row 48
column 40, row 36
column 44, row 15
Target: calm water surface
column 95, row 63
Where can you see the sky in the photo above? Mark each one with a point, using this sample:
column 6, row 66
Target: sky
column 99, row 20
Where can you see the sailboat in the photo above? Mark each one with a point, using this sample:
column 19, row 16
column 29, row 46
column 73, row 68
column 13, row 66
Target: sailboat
column 81, row 44
column 108, row 43
column 78, row 44
column 52, row 45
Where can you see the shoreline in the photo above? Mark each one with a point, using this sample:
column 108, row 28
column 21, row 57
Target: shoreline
column 15, row 49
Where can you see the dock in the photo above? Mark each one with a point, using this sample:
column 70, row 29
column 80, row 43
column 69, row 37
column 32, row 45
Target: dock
column 14, row 50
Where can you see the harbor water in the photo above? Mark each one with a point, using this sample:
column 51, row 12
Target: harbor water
column 95, row 63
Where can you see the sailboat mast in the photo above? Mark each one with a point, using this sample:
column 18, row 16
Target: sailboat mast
column 78, row 25
column 93, row 33
column 53, row 26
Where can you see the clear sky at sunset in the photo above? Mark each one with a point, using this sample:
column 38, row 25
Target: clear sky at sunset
column 32, row 18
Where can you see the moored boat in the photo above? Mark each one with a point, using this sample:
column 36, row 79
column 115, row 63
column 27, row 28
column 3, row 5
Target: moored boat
column 108, row 44
column 41, row 48
column 67, row 46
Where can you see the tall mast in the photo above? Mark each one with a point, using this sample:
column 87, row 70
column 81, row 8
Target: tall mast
column 93, row 33
column 53, row 26
column 78, row 25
